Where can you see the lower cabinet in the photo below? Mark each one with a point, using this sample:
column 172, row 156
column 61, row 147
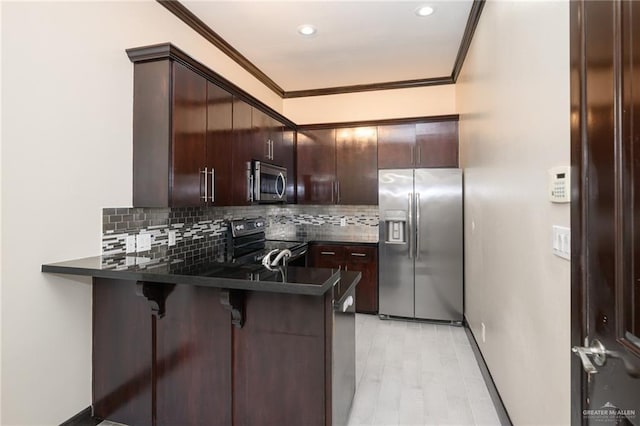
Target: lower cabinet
column 359, row 258
column 169, row 354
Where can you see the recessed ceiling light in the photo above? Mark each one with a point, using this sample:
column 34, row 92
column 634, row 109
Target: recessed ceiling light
column 307, row 30
column 424, row 11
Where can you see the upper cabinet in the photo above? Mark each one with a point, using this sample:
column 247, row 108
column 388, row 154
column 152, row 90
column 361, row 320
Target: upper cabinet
column 219, row 144
column 195, row 134
column 170, row 136
column 316, row 177
column 337, row 166
column 356, row 166
column 422, row 144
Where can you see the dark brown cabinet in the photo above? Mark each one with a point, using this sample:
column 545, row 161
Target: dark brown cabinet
column 169, row 135
column 356, row 166
column 316, row 153
column 359, row 258
column 219, row 145
column 195, row 133
column 337, row 166
column 422, row 144
column 242, row 153
column 182, row 126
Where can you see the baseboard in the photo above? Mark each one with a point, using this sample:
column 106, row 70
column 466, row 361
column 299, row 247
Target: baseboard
column 83, row 418
column 503, row 415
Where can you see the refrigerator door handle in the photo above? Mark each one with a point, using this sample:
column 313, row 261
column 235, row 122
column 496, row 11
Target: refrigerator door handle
column 410, row 230
column 417, row 225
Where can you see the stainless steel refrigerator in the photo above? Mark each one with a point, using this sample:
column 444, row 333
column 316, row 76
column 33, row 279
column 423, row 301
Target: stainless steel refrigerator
column 421, row 246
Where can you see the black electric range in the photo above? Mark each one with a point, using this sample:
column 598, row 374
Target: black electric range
column 246, row 243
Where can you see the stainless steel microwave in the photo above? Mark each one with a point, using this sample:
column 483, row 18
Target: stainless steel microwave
column 267, row 182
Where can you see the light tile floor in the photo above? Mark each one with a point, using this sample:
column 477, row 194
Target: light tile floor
column 415, row 373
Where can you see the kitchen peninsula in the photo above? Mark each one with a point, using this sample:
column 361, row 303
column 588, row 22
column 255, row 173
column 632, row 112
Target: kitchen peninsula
column 219, row 344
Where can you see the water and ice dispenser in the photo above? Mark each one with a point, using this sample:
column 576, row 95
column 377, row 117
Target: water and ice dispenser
column 396, row 224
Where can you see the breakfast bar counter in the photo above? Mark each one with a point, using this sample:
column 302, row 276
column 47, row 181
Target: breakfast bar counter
column 219, row 344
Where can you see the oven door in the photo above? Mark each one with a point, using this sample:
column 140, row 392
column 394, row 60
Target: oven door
column 270, row 182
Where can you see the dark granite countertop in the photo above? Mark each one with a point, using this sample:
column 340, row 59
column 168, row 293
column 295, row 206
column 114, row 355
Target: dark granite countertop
column 337, row 239
column 292, row 279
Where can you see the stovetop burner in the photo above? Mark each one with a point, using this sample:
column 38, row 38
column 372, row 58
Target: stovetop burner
column 246, row 242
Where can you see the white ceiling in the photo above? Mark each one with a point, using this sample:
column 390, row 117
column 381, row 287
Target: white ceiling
column 358, row 42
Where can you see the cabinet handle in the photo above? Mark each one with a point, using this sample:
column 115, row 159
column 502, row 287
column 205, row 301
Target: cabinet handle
column 271, row 149
column 359, row 254
column 249, row 182
column 333, row 191
column 413, row 148
column 328, row 253
column 419, row 155
column 213, row 185
column 205, row 173
column 338, row 191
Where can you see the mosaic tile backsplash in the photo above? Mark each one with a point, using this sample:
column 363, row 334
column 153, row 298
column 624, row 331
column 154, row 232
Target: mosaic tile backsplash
column 202, row 232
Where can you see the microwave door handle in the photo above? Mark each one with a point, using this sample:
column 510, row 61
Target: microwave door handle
column 284, row 185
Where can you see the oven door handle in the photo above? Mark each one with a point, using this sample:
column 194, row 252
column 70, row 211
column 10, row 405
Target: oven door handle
column 284, row 185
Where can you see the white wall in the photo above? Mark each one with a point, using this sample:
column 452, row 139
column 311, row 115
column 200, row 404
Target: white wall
column 66, row 153
column 513, row 98
column 382, row 104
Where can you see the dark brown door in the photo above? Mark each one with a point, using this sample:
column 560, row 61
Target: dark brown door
column 316, row 174
column 193, row 358
column 396, row 146
column 219, row 145
column 122, row 353
column 437, row 144
column 364, row 259
column 261, row 127
column 285, row 156
column 242, row 151
column 357, row 166
column 605, row 91
column 189, row 137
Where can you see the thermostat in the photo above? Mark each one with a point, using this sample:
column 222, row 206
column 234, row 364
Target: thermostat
column 560, row 184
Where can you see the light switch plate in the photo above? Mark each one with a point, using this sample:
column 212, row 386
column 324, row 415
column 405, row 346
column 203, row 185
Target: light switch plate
column 561, row 242
column 143, row 242
column 343, row 221
column 172, row 238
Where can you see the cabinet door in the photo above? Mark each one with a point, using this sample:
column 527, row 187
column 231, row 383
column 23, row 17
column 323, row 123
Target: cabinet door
column 285, row 157
column 189, row 120
column 396, row 146
column 278, row 151
column 316, row 168
column 261, row 129
column 357, row 165
column 219, row 145
column 326, row 256
column 437, row 144
column 193, row 359
column 364, row 259
column 242, row 151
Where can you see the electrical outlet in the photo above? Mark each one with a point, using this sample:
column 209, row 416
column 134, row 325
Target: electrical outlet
column 172, row 238
column 131, row 244
column 483, row 333
column 143, row 242
column 343, row 221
